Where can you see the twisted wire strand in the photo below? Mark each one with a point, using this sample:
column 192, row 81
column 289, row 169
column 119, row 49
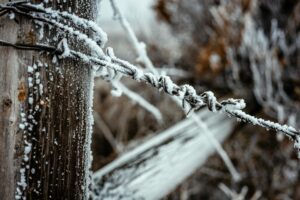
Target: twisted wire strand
column 100, row 36
column 47, row 18
column 187, row 93
column 233, row 107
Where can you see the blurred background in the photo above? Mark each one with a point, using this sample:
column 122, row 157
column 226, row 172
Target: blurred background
column 246, row 49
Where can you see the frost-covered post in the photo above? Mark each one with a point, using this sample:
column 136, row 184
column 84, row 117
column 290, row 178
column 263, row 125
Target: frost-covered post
column 45, row 112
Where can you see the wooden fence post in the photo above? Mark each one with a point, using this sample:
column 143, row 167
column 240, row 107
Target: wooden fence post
column 45, row 114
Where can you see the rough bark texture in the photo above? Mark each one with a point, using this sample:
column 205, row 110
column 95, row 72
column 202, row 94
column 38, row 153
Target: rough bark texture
column 52, row 104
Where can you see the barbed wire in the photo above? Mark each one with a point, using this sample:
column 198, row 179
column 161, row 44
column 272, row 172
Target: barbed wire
column 233, row 107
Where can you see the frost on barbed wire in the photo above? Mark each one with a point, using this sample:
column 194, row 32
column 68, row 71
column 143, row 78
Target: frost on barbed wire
column 100, row 36
column 187, row 94
column 114, row 77
column 50, row 17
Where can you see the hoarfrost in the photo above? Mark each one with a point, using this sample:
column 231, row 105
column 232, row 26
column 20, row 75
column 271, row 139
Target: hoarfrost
column 22, row 126
column 30, row 69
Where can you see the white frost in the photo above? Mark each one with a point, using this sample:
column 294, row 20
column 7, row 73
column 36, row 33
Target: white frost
column 22, row 126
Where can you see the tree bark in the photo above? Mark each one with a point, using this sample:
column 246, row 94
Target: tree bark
column 45, row 115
